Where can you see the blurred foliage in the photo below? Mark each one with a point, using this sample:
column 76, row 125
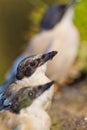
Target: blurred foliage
column 80, row 20
column 19, row 21
column 13, row 22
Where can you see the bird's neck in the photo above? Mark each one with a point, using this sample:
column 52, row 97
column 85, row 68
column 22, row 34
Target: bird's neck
column 37, row 112
column 66, row 20
column 37, row 115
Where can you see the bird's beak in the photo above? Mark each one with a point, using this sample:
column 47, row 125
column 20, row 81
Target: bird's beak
column 46, row 57
column 43, row 88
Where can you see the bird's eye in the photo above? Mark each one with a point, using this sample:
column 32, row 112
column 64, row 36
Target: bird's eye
column 34, row 63
column 30, row 94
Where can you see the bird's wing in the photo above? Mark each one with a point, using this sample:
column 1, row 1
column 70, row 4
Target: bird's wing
column 6, row 97
column 10, row 76
column 6, row 117
column 10, row 121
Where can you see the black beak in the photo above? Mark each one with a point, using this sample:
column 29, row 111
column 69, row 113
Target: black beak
column 46, row 57
column 43, row 88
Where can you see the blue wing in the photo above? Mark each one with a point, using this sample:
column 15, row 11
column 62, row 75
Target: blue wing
column 10, row 77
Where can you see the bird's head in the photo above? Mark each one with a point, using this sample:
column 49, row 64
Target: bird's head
column 25, row 96
column 54, row 15
column 30, row 64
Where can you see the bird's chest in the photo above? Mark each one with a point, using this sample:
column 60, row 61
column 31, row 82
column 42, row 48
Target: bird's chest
column 38, row 79
column 38, row 120
column 65, row 43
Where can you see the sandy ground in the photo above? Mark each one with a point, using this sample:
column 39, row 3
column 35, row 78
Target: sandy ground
column 69, row 109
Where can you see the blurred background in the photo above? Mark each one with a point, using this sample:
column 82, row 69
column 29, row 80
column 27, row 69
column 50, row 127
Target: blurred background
column 19, row 21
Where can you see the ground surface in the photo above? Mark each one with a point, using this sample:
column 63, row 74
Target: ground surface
column 69, row 109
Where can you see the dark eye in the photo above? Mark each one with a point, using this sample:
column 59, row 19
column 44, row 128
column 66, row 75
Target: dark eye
column 34, row 63
column 30, row 94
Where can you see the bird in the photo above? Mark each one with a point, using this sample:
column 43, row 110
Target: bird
column 58, row 33
column 34, row 116
column 30, row 71
column 25, row 96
